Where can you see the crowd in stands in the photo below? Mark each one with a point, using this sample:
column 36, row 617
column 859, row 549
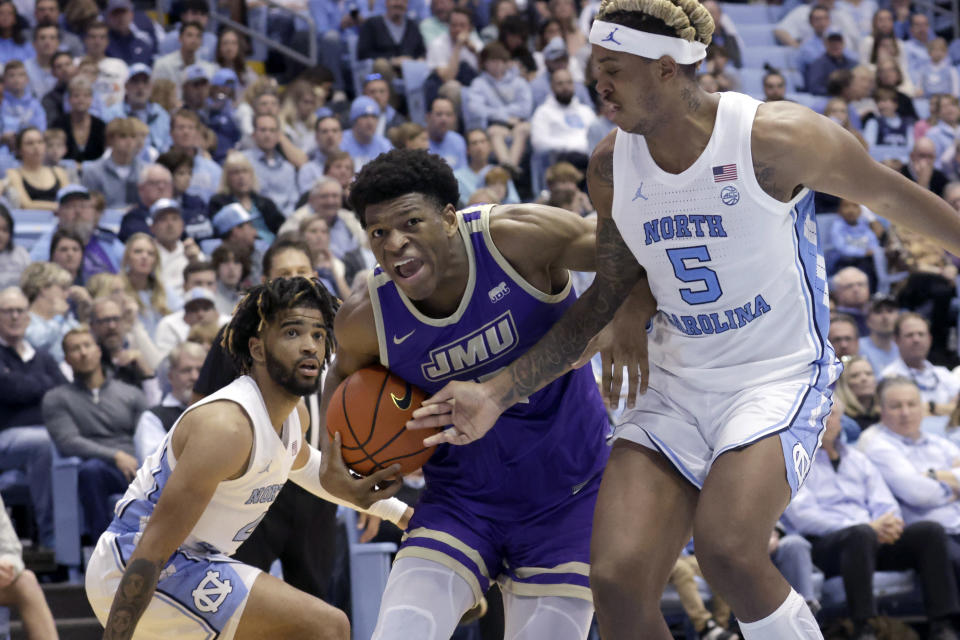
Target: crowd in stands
column 172, row 153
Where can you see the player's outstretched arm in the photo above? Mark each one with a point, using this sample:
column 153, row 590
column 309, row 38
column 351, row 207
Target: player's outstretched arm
column 794, row 146
column 473, row 408
column 212, row 443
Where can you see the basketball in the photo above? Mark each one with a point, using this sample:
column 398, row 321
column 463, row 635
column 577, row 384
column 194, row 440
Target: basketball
column 370, row 409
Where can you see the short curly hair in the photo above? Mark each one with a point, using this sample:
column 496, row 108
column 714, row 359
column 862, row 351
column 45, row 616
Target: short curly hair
column 262, row 304
column 399, row 172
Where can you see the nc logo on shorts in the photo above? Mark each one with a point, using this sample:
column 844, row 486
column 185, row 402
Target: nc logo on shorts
column 801, row 462
column 729, row 195
column 211, row 592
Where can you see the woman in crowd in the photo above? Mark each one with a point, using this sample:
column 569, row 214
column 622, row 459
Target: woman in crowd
column 298, row 114
column 51, row 294
column 238, row 183
column 86, row 133
column 34, row 185
column 141, row 275
column 857, row 388
column 66, row 251
column 890, row 75
column 232, row 267
column 14, row 44
column 330, row 269
column 13, row 258
column 231, row 54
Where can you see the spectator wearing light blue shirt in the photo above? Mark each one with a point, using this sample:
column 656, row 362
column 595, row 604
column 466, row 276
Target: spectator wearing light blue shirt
column 878, row 346
column 361, row 140
column 500, row 101
column 278, row 178
column 13, row 42
column 193, row 11
column 46, row 41
column 916, row 45
column 329, row 137
column 19, row 108
column 938, row 386
column 446, row 143
column 854, row 242
column 136, row 103
column 473, row 176
column 922, row 469
column 857, row 529
column 939, row 75
column 946, row 132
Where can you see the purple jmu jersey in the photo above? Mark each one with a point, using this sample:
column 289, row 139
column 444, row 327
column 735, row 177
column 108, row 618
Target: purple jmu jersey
column 540, row 451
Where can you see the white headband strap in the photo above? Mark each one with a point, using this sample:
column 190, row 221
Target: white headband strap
column 617, row 37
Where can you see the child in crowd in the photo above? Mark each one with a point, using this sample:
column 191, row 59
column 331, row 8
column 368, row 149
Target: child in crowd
column 938, row 75
column 19, row 108
column 854, row 242
column 56, row 140
column 888, row 128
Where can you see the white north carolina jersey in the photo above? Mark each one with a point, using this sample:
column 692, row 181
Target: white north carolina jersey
column 739, row 281
column 238, row 505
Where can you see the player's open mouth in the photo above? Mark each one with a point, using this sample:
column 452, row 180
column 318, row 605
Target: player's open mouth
column 408, row 268
column 309, row 368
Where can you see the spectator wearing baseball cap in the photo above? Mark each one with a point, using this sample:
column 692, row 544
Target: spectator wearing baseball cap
column 198, row 308
column 137, row 104
column 361, row 140
column 166, row 225
column 878, row 346
column 833, row 59
column 218, row 112
column 127, row 41
column 197, row 223
column 235, row 225
column 174, row 66
column 555, row 56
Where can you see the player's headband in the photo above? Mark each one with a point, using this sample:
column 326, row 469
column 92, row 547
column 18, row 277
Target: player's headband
column 617, row 37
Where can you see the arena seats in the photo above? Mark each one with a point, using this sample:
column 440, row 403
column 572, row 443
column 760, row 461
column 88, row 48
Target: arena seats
column 369, row 568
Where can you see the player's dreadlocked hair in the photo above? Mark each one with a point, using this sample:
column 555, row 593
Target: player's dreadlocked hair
column 262, row 304
column 399, row 172
column 685, row 19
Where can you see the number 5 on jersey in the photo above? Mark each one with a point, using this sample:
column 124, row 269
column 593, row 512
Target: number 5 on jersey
column 681, row 258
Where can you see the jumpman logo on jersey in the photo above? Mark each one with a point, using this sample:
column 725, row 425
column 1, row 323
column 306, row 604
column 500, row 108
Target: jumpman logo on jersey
column 610, row 37
column 639, row 193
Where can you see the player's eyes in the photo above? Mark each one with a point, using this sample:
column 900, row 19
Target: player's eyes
column 376, row 233
column 413, row 221
column 292, row 333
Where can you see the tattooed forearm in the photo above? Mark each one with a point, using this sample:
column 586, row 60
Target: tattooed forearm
column 617, row 273
column 133, row 596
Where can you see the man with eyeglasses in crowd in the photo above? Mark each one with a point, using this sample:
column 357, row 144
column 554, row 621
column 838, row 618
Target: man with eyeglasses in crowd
column 938, row 387
column 26, row 374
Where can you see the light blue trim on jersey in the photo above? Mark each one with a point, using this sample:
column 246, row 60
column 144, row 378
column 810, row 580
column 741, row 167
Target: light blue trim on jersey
column 161, row 473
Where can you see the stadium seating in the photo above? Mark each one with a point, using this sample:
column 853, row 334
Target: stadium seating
column 776, row 57
column 369, row 568
column 757, row 35
column 750, row 14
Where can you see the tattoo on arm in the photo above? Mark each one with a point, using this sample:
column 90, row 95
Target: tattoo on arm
column 131, row 600
column 601, row 166
column 617, row 273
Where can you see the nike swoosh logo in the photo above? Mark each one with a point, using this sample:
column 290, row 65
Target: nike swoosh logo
column 403, row 403
column 397, row 340
column 579, row 487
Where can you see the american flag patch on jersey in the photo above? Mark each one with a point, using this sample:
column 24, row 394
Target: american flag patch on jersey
column 725, row 172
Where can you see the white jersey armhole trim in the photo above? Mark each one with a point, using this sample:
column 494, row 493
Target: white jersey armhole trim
column 513, row 273
column 172, row 458
column 749, row 175
column 374, row 282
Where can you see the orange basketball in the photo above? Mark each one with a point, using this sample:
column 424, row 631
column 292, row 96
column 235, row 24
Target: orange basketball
column 370, row 409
